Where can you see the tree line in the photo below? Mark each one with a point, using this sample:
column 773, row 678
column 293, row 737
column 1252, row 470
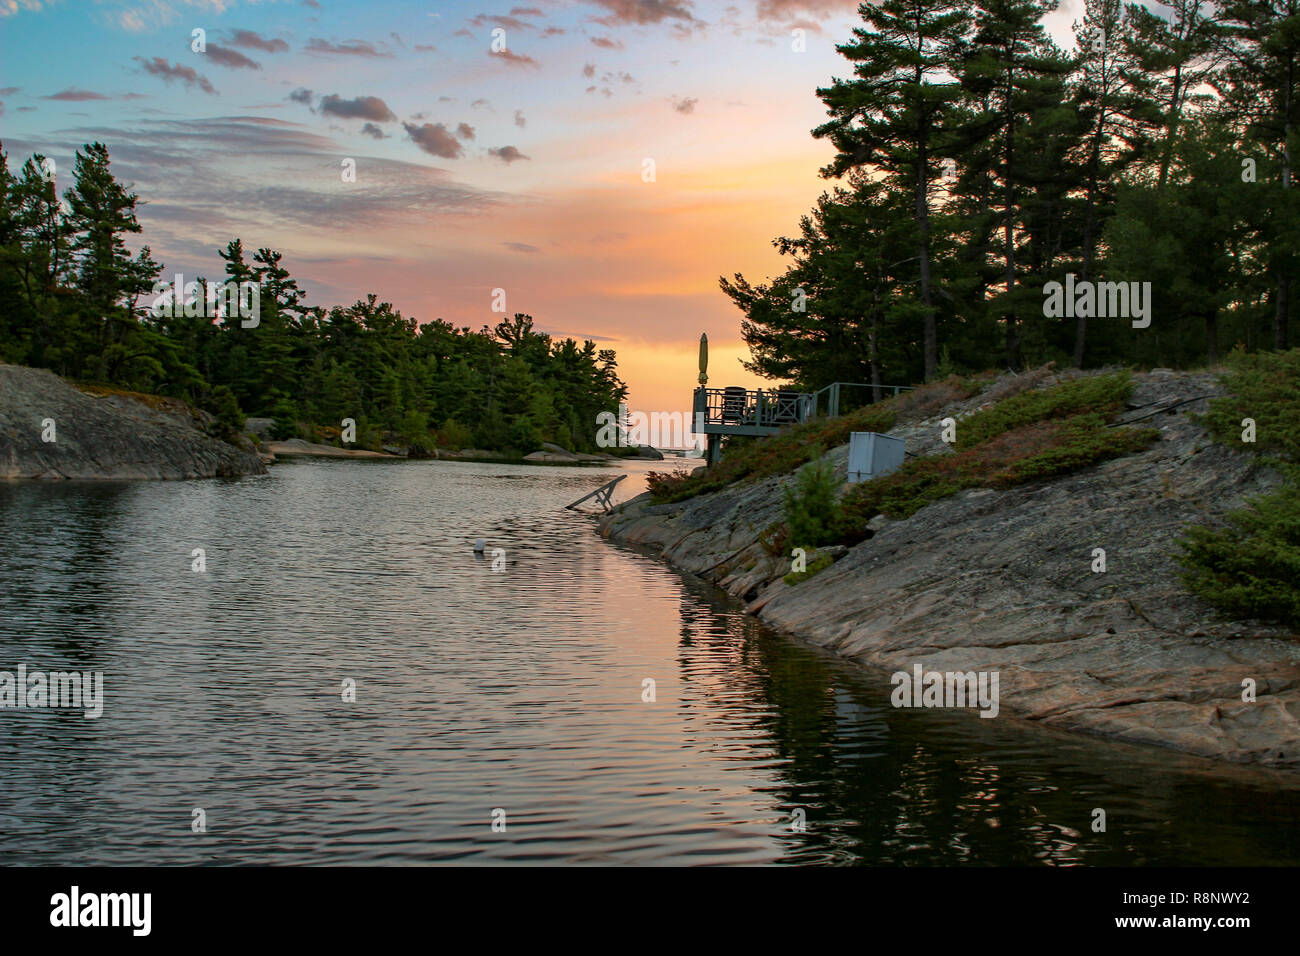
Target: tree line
column 977, row 162
column 75, row 300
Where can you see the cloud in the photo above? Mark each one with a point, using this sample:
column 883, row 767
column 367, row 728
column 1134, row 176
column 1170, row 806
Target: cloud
column 434, row 140
column 552, row 32
column 589, row 70
column 425, row 48
column 643, row 12
column 252, row 41
column 513, row 58
column 685, row 104
column 465, row 131
column 159, row 67
column 462, row 32
column 232, row 59
column 480, row 103
column 520, row 247
column 347, row 48
column 508, row 154
column 363, row 107
column 301, row 95
column 506, row 23
column 9, row 90
column 74, row 95
column 211, row 179
column 370, row 129
column 526, row 12
column 605, row 43
column 9, row 7
column 519, row 119
column 783, row 10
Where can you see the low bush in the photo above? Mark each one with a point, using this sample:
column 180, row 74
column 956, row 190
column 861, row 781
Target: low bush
column 1249, row 566
column 1102, row 394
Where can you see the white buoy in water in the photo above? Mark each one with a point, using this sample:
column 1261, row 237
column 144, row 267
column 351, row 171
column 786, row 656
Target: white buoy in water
column 479, row 545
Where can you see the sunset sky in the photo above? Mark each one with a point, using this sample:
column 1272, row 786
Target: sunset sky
column 475, row 169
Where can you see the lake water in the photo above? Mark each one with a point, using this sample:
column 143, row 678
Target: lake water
column 517, row 689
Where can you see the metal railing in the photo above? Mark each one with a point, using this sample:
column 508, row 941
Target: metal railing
column 770, row 408
column 832, row 393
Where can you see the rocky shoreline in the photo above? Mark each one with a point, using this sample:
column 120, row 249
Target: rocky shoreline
column 1002, row 581
column 51, row 430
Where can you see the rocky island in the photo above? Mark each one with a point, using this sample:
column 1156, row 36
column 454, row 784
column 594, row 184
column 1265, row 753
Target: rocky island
column 49, row 429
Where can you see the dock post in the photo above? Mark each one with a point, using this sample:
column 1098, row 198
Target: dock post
column 715, row 450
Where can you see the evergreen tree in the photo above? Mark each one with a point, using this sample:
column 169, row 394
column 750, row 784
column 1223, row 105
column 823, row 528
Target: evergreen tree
column 892, row 117
column 1016, row 73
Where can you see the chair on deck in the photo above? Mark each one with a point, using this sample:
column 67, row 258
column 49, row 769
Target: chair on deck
column 734, row 401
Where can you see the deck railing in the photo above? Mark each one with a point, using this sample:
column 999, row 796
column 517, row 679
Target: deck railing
column 759, row 408
column 827, row 400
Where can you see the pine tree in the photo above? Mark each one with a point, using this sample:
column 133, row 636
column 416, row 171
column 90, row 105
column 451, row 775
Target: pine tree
column 1113, row 95
column 1016, row 72
column 101, row 214
column 892, row 116
column 1260, row 42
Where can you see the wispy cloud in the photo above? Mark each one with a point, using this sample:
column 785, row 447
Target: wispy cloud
column 254, row 41
column 346, row 48
column 645, row 11
column 513, row 58
column 161, row 68
column 506, row 23
column 231, row 59
column 74, row 95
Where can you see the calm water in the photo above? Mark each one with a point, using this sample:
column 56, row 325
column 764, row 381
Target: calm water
column 518, row 689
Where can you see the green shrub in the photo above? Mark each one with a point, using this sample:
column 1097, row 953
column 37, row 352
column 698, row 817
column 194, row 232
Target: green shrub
column 1250, row 566
column 819, row 563
column 1101, row 394
column 661, row 483
column 453, row 435
column 812, row 513
column 285, row 426
column 1265, row 387
column 223, row 406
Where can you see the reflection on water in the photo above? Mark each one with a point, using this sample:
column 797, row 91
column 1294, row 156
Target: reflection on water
column 519, row 689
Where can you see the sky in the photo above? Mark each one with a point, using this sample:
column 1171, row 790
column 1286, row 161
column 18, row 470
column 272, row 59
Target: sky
column 495, row 146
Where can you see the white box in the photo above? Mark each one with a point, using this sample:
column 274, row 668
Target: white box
column 872, row 455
